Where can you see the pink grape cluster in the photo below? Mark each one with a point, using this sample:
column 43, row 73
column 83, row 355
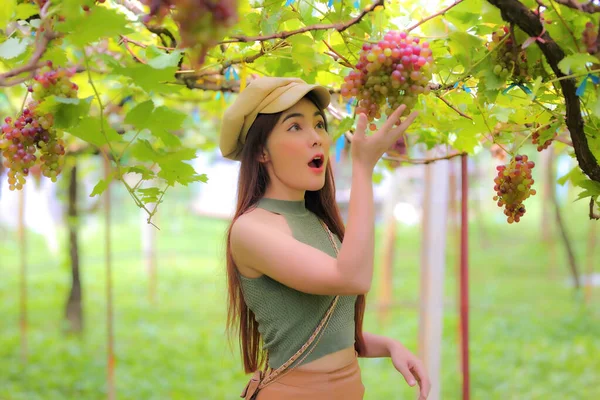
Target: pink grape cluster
column 390, row 73
column 56, row 82
column 202, row 23
column 535, row 139
column 590, row 38
column 513, row 186
column 31, row 140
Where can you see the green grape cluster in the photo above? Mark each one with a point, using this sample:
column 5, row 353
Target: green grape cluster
column 513, row 186
column 392, row 72
column 49, row 81
column 510, row 58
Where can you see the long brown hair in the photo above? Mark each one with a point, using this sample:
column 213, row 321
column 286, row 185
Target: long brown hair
column 252, row 183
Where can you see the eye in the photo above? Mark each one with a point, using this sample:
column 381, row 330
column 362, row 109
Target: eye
column 321, row 124
column 294, row 125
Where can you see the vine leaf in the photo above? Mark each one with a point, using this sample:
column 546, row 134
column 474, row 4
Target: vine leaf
column 576, row 63
column 12, row 48
column 89, row 129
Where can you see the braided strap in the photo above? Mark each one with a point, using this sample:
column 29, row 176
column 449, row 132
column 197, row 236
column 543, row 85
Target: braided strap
column 284, row 368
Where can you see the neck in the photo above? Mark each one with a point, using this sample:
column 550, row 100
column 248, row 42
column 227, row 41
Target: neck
column 284, row 194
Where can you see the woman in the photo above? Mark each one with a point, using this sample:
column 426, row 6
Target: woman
column 289, row 256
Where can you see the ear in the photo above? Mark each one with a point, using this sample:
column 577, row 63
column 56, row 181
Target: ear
column 264, row 156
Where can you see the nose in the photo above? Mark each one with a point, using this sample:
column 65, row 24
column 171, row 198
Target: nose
column 316, row 138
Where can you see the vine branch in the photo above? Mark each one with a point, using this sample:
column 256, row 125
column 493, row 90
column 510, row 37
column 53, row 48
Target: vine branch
column 340, row 27
column 516, row 13
column 453, row 107
column 593, row 215
column 441, row 12
column 589, row 7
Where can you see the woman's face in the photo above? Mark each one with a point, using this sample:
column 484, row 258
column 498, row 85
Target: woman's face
column 296, row 140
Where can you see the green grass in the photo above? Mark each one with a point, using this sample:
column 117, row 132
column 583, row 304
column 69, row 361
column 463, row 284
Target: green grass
column 531, row 337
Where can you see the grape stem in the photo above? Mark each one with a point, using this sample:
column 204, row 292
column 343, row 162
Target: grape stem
column 441, row 12
column 588, row 7
column 424, row 160
column 453, row 107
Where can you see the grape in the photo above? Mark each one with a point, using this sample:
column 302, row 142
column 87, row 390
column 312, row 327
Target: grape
column 56, row 82
column 590, row 38
column 513, row 186
column 31, row 141
column 511, row 59
column 202, row 23
column 535, row 138
column 389, row 73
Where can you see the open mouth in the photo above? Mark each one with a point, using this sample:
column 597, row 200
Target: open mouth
column 316, row 162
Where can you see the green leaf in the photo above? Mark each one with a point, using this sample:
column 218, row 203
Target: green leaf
column 6, row 12
column 138, row 115
column 101, row 186
column 344, row 126
column 576, row 63
column 12, row 48
column 100, row 22
column 89, row 129
column 67, row 115
column 148, row 78
column 463, row 20
column 146, row 173
column 163, row 59
column 26, row 10
column 143, row 151
column 150, row 195
column 160, row 121
column 174, row 171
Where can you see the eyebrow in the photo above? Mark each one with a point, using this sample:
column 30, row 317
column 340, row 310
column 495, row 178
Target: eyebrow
column 300, row 115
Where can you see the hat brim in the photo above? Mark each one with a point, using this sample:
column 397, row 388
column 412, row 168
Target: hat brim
column 294, row 94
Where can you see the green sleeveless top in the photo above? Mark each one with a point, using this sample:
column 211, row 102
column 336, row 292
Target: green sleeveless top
column 287, row 317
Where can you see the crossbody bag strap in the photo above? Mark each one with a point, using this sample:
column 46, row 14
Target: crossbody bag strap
column 284, row 368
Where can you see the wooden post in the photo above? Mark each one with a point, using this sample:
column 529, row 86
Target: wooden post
column 591, row 245
column 433, row 264
column 464, row 277
column 389, row 239
column 110, row 364
column 23, row 276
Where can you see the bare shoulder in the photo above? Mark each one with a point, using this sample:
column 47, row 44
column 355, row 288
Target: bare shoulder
column 248, row 230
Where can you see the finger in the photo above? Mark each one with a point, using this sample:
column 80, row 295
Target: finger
column 408, row 376
column 405, row 124
column 424, row 382
column 389, row 123
column 361, row 126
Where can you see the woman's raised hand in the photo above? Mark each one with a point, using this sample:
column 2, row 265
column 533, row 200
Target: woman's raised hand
column 367, row 150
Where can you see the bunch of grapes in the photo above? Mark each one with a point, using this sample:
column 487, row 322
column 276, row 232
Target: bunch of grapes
column 202, row 23
column 513, row 186
column 543, row 132
column 511, row 59
column 390, row 73
column 590, row 38
column 31, row 140
column 56, row 82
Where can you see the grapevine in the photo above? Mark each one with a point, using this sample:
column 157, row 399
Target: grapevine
column 513, row 186
column 390, row 73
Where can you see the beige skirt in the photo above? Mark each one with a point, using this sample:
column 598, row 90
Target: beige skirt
column 342, row 384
